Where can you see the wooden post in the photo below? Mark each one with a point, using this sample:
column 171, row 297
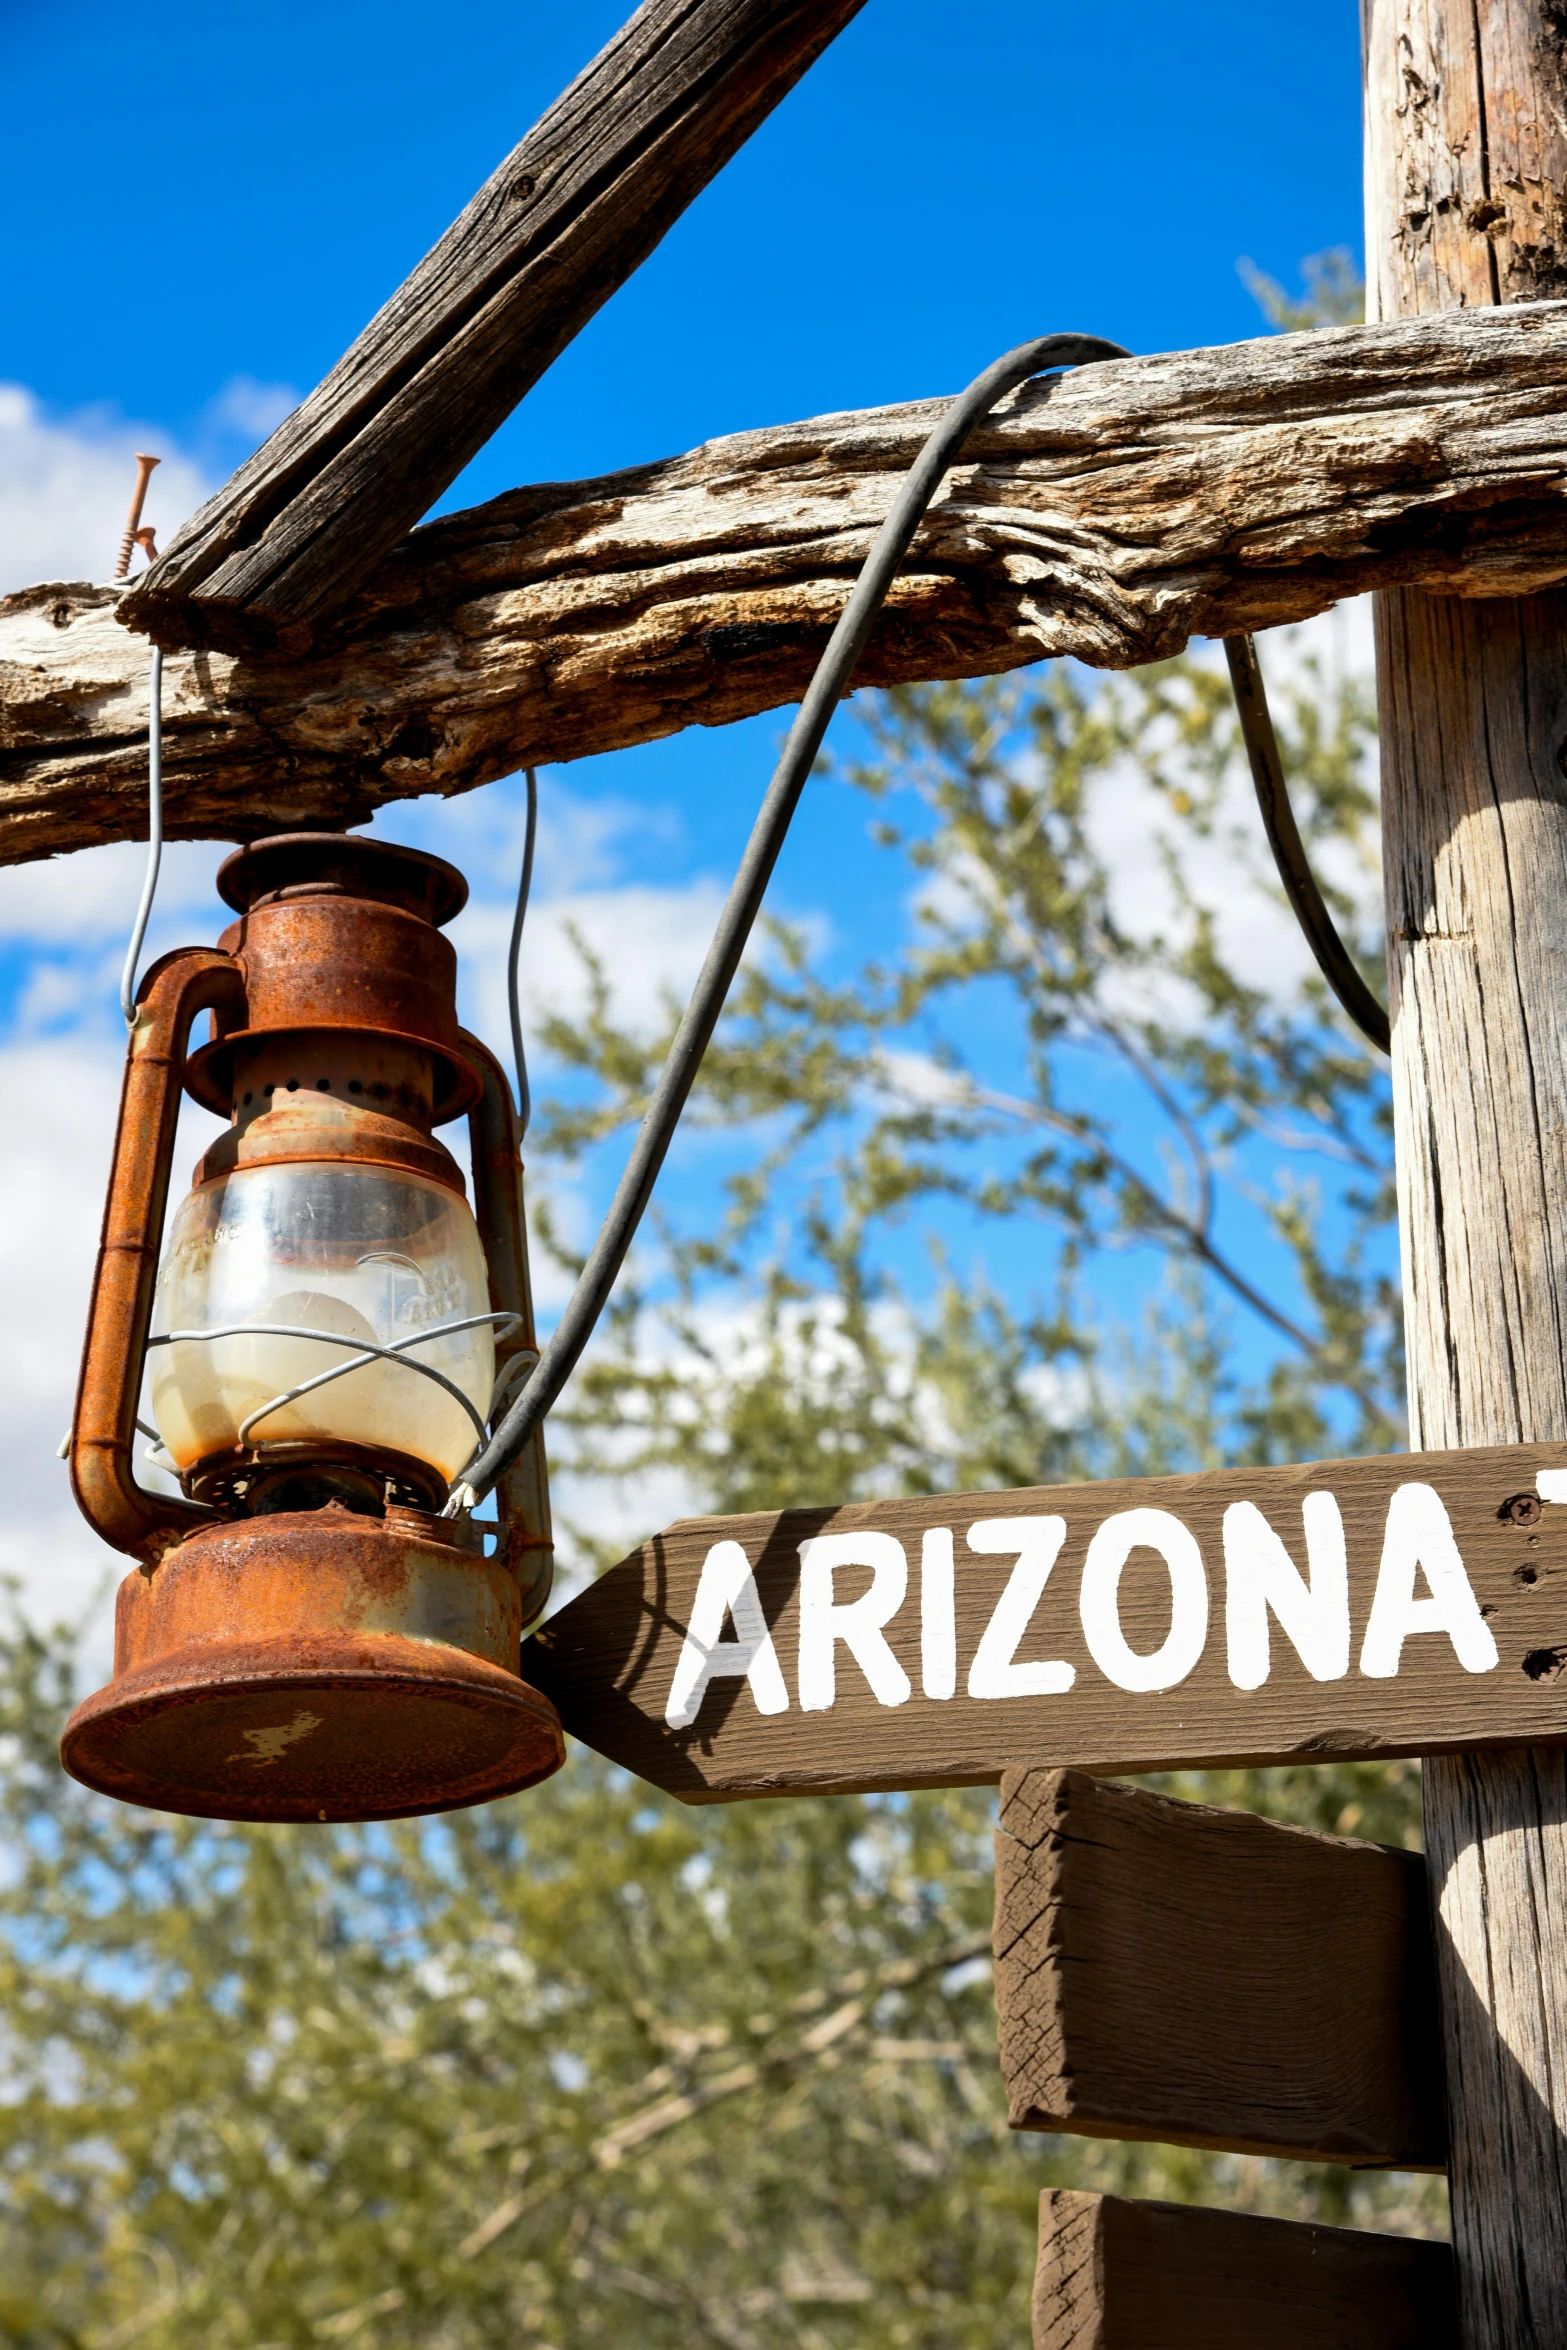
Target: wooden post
column 1466, row 110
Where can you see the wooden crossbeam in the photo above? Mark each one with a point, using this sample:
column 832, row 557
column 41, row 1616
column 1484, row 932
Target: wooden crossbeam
column 1170, row 1972
column 566, row 218
column 1117, row 2275
column 1112, row 515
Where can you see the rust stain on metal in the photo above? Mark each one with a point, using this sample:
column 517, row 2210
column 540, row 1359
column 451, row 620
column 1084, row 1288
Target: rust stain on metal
column 175, row 991
column 370, row 1664
column 328, row 1662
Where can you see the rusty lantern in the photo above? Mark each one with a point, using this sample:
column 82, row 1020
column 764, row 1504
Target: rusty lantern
column 305, row 1636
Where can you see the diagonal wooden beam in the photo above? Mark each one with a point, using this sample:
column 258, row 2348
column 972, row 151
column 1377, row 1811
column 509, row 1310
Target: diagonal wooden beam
column 1111, row 514
column 568, row 216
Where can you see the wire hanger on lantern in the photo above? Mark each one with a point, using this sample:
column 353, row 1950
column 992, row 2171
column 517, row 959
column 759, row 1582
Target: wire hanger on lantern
column 514, row 952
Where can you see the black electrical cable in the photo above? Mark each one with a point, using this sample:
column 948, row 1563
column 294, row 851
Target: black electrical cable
column 514, row 953
column 826, row 689
column 1334, row 960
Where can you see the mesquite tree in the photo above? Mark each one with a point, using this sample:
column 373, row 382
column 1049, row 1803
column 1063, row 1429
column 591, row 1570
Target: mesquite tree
column 587, row 2062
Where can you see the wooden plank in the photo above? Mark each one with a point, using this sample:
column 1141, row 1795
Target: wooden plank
column 1346, row 1608
column 1169, row 1972
column 1110, row 516
column 1466, row 204
column 565, row 220
column 1116, row 2275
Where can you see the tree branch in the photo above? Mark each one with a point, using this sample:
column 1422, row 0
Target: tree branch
column 1110, row 514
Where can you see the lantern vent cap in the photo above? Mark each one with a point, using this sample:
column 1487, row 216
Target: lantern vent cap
column 341, row 864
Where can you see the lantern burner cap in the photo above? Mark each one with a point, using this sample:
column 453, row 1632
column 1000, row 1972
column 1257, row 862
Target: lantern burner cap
column 341, row 864
column 310, row 1474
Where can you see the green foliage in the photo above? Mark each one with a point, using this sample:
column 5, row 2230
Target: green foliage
column 573, row 2067
column 1334, row 292
column 1084, row 1077
column 584, row 2065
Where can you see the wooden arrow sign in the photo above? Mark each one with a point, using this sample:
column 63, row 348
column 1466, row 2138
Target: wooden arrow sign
column 1412, row 1605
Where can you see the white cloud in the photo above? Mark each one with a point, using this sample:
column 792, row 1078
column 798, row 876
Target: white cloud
column 86, row 900
column 65, row 486
column 650, row 938
column 1259, row 938
column 1129, row 826
column 649, row 942
column 919, row 1079
column 248, row 410
column 55, row 1164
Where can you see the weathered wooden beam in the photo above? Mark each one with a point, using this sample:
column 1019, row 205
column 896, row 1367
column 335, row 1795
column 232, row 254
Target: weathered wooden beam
column 1169, row 1972
column 1115, row 2275
column 1111, row 514
column 565, row 220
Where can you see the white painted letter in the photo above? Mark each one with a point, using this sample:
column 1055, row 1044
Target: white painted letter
column 857, row 1623
column 938, row 1625
column 1313, row 1609
column 1420, row 1534
column 726, row 1587
column 994, row 1673
column 1100, row 1600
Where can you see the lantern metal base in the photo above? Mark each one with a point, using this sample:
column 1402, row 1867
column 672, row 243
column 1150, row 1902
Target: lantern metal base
column 316, row 1665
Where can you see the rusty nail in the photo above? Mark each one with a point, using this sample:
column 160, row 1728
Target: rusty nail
column 144, row 466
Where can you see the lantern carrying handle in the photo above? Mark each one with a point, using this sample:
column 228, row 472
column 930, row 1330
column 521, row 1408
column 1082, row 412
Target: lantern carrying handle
column 119, row 1318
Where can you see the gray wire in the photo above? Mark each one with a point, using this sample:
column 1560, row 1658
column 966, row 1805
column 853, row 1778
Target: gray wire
column 826, row 688
column 524, row 1097
column 154, row 837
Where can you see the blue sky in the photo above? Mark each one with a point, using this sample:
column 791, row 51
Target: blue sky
column 205, row 205
column 200, row 194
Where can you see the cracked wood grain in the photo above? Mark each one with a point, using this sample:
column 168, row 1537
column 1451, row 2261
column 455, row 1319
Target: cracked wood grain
column 1117, row 2275
column 1169, row 1972
column 1111, row 514
column 557, row 227
column 1467, row 207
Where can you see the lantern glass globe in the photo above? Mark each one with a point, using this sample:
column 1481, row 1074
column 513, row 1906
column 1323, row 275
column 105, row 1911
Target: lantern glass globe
column 355, row 1252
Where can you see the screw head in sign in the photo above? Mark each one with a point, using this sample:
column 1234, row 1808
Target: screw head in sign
column 1523, row 1509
